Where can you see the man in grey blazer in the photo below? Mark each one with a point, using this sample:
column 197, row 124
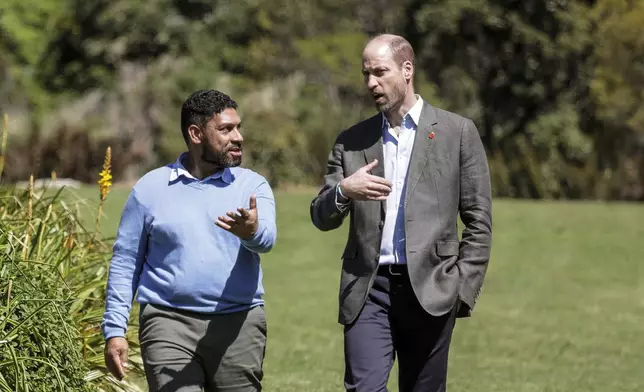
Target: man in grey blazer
column 402, row 177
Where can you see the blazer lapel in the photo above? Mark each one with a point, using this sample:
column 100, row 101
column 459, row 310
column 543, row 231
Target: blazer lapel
column 422, row 149
column 373, row 139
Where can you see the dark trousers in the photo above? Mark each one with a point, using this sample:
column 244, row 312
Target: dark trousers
column 189, row 352
column 393, row 323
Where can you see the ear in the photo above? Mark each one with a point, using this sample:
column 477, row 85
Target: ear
column 408, row 70
column 195, row 134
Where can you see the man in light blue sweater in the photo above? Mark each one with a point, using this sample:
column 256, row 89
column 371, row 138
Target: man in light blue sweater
column 189, row 242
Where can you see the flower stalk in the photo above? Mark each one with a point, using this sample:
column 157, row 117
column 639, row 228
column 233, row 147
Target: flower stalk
column 104, row 184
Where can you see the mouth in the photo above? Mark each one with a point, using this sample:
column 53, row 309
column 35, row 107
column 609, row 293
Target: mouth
column 235, row 152
column 379, row 98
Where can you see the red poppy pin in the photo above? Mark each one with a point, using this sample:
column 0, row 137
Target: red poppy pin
column 431, row 135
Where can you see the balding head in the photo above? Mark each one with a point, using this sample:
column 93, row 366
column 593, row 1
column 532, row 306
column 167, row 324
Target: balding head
column 388, row 70
column 398, row 46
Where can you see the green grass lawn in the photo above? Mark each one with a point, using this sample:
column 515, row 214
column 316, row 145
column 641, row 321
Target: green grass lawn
column 562, row 308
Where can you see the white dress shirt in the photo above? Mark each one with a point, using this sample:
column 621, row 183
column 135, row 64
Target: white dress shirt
column 397, row 154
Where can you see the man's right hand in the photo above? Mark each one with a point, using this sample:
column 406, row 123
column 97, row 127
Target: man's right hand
column 362, row 185
column 116, row 356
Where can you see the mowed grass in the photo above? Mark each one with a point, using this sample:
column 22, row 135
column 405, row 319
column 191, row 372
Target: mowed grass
column 562, row 308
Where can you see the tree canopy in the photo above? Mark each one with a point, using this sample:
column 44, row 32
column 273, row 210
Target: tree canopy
column 554, row 87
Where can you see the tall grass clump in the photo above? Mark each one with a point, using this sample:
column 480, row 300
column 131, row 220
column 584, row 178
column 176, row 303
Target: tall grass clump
column 53, row 274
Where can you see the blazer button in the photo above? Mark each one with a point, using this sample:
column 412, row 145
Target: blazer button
column 377, row 256
column 381, row 225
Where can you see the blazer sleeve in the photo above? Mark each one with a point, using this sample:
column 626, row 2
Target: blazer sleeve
column 475, row 207
column 327, row 213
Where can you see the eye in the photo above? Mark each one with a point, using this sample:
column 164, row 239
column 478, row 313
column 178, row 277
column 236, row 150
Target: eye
column 228, row 128
column 380, row 71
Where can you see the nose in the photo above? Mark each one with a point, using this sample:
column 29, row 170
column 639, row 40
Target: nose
column 371, row 82
column 236, row 136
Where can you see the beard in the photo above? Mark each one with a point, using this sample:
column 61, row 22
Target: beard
column 392, row 99
column 221, row 158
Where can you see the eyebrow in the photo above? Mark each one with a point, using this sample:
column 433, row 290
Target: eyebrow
column 228, row 124
column 376, row 68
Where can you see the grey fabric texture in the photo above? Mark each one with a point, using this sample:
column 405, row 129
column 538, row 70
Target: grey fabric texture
column 448, row 175
column 186, row 352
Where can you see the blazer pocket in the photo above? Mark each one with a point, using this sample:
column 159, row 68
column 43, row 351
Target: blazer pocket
column 447, row 248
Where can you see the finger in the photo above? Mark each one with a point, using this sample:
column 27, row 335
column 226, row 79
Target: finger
column 379, row 180
column 223, row 225
column 116, row 368
column 110, row 366
column 227, row 219
column 252, row 204
column 372, row 195
column 233, row 215
column 370, row 166
column 378, row 198
column 243, row 212
column 238, row 220
column 374, row 186
column 123, row 358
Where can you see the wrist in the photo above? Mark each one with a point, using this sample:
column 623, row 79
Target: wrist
column 115, row 338
column 251, row 235
column 342, row 197
column 114, row 332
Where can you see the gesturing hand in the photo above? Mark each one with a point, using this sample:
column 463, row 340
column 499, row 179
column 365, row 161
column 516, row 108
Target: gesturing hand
column 362, row 185
column 116, row 356
column 243, row 225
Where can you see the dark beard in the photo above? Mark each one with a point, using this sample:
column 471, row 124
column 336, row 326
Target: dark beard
column 220, row 159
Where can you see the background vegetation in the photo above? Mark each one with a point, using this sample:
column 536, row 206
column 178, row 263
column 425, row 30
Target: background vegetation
column 53, row 276
column 554, row 86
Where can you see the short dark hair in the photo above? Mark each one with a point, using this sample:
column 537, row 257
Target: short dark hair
column 201, row 106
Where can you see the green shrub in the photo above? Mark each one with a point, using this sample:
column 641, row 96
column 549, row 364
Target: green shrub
column 53, row 274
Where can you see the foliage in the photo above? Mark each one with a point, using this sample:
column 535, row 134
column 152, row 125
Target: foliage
column 36, row 355
column 53, row 276
column 619, row 74
column 552, row 85
column 616, row 88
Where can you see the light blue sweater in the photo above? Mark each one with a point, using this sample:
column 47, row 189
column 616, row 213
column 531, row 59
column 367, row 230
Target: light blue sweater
column 170, row 250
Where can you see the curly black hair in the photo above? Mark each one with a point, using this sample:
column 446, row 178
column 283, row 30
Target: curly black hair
column 201, row 106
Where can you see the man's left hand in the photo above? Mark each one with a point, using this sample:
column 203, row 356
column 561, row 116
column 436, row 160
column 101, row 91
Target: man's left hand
column 244, row 223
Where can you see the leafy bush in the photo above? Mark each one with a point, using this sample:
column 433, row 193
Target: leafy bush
column 52, row 282
column 53, row 274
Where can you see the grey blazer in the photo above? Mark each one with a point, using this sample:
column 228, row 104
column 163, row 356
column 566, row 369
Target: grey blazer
column 448, row 174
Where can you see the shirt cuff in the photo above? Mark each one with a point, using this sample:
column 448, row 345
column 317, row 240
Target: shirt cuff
column 113, row 332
